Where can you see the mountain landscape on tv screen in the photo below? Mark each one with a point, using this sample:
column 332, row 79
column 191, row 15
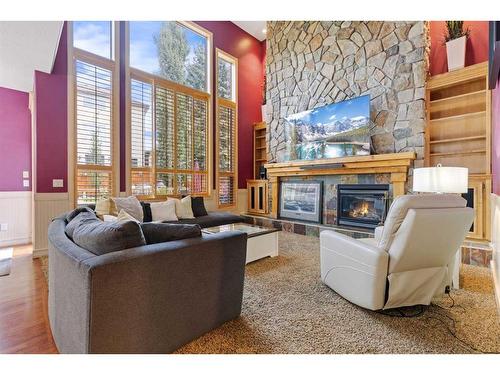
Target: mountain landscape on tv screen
column 335, row 130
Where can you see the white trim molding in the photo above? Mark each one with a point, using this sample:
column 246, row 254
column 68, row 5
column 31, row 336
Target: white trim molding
column 15, row 213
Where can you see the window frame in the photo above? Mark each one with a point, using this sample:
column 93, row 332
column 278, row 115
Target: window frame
column 158, row 81
column 233, row 104
column 113, row 65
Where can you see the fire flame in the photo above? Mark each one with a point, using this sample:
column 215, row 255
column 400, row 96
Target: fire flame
column 361, row 211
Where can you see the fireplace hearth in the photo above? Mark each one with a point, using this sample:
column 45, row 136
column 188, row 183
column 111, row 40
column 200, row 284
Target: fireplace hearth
column 361, row 205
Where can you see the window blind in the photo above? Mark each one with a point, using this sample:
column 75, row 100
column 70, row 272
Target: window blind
column 93, row 113
column 226, row 185
column 141, row 134
column 179, row 125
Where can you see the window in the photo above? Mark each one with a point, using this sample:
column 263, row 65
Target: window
column 94, row 36
column 176, row 122
column 226, row 130
column 171, row 50
column 93, row 112
column 169, row 109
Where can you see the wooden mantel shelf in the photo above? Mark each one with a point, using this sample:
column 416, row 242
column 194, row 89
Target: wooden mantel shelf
column 384, row 163
column 396, row 164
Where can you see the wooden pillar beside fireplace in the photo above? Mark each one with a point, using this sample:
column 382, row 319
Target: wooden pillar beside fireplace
column 397, row 165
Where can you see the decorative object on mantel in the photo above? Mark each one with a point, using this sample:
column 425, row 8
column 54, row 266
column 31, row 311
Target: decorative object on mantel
column 456, row 40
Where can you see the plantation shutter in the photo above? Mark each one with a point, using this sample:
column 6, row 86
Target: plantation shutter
column 227, row 184
column 93, row 132
column 141, row 138
column 176, row 123
column 165, row 141
column 226, row 131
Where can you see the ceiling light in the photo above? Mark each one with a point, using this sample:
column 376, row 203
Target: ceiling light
column 264, row 30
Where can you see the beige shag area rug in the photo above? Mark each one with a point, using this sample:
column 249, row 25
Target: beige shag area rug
column 286, row 309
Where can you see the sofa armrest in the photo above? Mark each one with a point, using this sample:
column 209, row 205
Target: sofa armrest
column 165, row 295
column 354, row 269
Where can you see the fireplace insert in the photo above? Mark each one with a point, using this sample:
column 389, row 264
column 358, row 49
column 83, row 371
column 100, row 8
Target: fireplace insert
column 360, row 205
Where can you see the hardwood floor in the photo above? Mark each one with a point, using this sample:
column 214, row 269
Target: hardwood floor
column 24, row 323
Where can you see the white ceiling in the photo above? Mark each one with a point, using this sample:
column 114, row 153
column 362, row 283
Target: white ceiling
column 254, row 28
column 26, row 46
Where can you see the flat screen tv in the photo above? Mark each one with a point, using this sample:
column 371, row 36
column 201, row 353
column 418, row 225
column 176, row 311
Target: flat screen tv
column 335, row 130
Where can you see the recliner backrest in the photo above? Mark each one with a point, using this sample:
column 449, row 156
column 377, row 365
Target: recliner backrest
column 400, row 206
column 428, row 237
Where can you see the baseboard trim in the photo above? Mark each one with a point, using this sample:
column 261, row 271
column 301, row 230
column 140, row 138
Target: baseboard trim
column 15, row 242
column 40, row 253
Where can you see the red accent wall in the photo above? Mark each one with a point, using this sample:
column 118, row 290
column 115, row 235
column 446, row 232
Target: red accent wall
column 250, row 53
column 51, row 123
column 15, row 139
column 476, row 50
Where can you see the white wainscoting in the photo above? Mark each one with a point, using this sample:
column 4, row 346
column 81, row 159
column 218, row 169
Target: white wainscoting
column 15, row 211
column 47, row 206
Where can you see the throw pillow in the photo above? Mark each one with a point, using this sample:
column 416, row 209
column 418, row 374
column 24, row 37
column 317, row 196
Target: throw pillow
column 163, row 211
column 105, row 207
column 101, row 237
column 124, row 216
column 198, row 206
column 130, row 205
column 183, row 208
column 161, row 232
column 109, row 218
column 146, row 209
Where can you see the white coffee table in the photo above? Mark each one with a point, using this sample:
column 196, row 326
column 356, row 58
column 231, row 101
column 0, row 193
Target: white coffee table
column 262, row 242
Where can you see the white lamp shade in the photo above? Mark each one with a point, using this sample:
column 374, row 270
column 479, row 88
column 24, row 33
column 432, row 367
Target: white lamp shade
column 441, row 180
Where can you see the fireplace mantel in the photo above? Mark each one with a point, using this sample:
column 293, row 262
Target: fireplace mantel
column 397, row 164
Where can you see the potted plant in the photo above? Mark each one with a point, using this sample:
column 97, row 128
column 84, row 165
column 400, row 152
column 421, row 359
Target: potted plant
column 263, row 108
column 455, row 39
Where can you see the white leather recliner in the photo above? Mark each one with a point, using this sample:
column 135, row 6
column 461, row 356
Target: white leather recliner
column 406, row 264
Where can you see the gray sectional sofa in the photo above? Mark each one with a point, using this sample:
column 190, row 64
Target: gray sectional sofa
column 148, row 299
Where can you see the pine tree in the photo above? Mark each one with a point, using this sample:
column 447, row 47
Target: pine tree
column 173, row 49
column 224, row 76
column 197, row 70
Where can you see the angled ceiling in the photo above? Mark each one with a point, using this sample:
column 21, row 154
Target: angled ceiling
column 26, row 46
column 254, row 28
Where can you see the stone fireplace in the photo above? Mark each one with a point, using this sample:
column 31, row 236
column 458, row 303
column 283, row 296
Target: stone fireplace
column 362, row 205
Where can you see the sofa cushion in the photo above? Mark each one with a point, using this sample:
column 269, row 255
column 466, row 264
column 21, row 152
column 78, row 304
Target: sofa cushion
column 101, row 237
column 82, row 217
column 213, row 219
column 146, row 210
column 162, row 232
column 131, row 205
column 72, row 214
column 198, row 206
column 105, row 207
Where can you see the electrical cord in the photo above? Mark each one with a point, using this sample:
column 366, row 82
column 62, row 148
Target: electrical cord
column 450, row 326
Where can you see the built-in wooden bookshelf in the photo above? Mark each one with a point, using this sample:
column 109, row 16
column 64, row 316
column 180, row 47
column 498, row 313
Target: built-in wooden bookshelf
column 259, row 147
column 458, row 133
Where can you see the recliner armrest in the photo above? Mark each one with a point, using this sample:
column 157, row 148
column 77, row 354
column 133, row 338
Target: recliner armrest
column 355, row 269
column 378, row 233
